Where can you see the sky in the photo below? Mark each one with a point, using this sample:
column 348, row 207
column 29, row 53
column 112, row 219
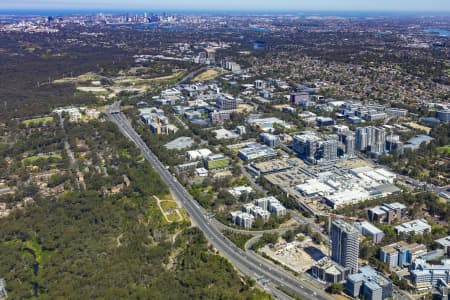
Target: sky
column 279, row 5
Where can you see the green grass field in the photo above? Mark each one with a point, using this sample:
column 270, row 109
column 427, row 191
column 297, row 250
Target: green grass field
column 444, row 149
column 32, row 159
column 37, row 121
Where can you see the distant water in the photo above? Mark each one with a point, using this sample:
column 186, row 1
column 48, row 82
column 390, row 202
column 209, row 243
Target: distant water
column 439, row 32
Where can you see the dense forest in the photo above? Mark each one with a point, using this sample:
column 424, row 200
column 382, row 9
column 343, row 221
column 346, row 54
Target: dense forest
column 87, row 244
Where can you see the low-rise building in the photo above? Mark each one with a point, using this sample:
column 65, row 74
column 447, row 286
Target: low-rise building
column 256, row 151
column 256, row 211
column 3, row 293
column 199, row 154
column 270, row 140
column 419, row 226
column 369, row 230
column 401, row 254
column 243, row 219
column 368, row 284
column 444, row 243
column 387, row 213
column 426, row 276
column 329, row 271
column 201, row 172
column 224, row 134
column 444, row 115
column 237, row 191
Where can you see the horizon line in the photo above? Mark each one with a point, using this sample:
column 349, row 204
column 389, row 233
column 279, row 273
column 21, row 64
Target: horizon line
column 222, row 10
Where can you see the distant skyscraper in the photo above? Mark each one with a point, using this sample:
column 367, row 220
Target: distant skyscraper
column 345, row 245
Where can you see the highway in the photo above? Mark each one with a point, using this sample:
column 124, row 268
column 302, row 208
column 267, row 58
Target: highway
column 264, row 272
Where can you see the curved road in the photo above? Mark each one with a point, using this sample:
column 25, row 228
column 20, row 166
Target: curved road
column 249, row 264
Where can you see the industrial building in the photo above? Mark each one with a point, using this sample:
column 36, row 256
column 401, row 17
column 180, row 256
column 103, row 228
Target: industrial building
column 369, row 230
column 401, row 254
column 349, row 186
column 368, row 284
column 419, row 226
column 345, row 245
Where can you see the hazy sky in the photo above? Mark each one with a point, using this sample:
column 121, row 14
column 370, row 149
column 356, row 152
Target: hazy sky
column 330, row 5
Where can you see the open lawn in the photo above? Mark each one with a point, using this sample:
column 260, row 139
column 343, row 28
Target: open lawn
column 37, row 121
column 33, row 159
column 207, row 75
column 133, row 80
column 444, row 149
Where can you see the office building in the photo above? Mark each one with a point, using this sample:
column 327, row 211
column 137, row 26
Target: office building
column 387, row 213
column 313, row 149
column 194, row 155
column 257, row 151
column 324, row 121
column 270, row 140
column 259, row 84
column 345, row 245
column 371, row 139
column 3, row 293
column 329, row 271
column 369, row 230
column 329, row 149
column 368, row 284
column 226, row 103
column 241, row 130
column 401, row 254
column 397, row 112
column 444, row 115
column 425, row 276
column 361, row 139
column 301, row 98
column 419, row 226
column 243, row 219
column 444, row 243
column 306, row 145
column 350, row 144
column 256, row 211
column 218, row 117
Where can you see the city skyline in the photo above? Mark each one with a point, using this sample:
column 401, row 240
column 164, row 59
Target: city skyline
column 233, row 5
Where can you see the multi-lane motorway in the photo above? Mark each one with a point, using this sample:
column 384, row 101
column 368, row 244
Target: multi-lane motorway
column 266, row 273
